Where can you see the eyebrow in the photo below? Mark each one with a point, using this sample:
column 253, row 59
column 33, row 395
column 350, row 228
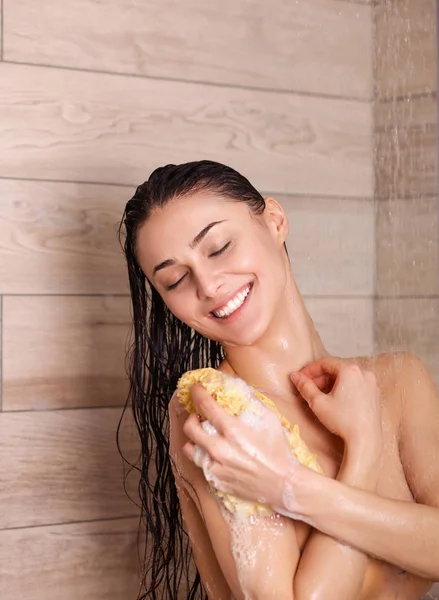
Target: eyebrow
column 197, row 239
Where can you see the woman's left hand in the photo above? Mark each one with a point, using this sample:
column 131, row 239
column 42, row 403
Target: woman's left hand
column 249, row 462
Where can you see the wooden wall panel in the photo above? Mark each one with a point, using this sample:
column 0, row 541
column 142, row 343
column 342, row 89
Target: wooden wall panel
column 406, row 148
column 62, row 466
column 61, row 238
column 344, row 324
column 62, row 351
column 115, row 129
column 405, row 47
column 331, row 245
column 408, row 247
column 86, row 561
column 281, row 45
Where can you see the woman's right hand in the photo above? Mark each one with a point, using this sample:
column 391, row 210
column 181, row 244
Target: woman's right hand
column 351, row 409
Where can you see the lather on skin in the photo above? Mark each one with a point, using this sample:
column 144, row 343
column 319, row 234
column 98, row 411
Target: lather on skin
column 402, row 533
column 208, row 264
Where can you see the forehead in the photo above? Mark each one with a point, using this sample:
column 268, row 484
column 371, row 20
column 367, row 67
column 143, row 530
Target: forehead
column 172, row 228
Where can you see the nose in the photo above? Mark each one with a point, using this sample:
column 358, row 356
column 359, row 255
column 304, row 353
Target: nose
column 208, row 284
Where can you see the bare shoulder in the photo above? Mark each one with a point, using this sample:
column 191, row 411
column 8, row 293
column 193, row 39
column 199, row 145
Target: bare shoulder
column 397, row 375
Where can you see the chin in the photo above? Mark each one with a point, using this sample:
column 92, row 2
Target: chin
column 247, row 336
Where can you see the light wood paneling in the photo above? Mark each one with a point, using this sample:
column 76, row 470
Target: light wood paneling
column 62, row 466
column 405, row 47
column 331, row 245
column 410, row 324
column 61, row 238
column 283, row 45
column 408, row 247
column 406, row 147
column 344, row 324
column 69, row 125
column 86, row 561
column 62, row 351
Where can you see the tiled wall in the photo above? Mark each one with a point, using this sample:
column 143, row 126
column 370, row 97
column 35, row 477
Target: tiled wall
column 93, row 96
column 406, row 161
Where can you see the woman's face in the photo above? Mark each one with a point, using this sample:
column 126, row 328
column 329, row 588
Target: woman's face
column 220, row 268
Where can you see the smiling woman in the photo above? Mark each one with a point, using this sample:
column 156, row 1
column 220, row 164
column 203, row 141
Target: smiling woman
column 211, row 286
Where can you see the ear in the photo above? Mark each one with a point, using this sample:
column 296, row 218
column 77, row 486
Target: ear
column 276, row 219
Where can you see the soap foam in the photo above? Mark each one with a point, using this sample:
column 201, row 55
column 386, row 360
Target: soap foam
column 247, row 546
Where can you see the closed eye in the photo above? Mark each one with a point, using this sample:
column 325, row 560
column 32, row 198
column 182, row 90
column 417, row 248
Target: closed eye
column 172, row 286
column 221, row 250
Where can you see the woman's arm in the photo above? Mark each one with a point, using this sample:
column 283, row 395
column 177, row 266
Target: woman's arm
column 325, row 556
column 270, row 552
column 401, row 533
column 327, row 569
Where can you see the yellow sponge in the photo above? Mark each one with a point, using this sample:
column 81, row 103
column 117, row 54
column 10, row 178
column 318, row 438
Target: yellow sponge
column 235, row 396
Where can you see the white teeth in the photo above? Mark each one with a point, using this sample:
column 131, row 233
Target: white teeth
column 233, row 304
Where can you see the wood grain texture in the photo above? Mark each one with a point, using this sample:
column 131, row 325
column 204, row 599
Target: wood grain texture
column 282, row 45
column 90, row 561
column 63, row 466
column 408, row 247
column 61, row 238
column 331, row 245
column 405, row 47
column 62, row 351
column 344, row 324
column 406, row 148
column 76, row 126
column 410, row 324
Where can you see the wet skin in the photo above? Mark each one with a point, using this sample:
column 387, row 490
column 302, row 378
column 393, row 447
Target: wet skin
column 271, row 336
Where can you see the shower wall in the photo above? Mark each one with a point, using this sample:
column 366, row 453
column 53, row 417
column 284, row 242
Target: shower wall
column 406, row 178
column 93, row 96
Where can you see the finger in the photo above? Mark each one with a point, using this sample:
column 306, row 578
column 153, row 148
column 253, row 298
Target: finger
column 214, row 445
column 196, row 454
column 307, row 387
column 211, row 411
column 324, row 382
column 329, row 365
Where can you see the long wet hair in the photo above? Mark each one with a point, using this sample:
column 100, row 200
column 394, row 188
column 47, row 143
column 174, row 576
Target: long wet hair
column 163, row 348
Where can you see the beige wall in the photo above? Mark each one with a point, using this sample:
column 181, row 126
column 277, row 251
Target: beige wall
column 406, row 161
column 93, row 96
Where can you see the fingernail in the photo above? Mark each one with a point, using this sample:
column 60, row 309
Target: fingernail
column 295, row 376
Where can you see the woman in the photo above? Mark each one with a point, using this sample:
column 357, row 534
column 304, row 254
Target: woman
column 211, row 285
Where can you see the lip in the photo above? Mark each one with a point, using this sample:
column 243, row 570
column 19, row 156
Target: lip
column 229, row 297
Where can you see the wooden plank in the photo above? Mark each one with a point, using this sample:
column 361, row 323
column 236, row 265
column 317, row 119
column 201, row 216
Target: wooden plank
column 405, row 47
column 281, row 45
column 61, row 238
column 410, row 324
column 344, row 324
column 77, row 126
column 91, row 561
column 406, row 148
column 61, row 351
column 331, row 245
column 408, row 247
column 63, row 466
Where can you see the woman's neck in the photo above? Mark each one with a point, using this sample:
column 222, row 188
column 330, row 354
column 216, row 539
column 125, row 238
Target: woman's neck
column 290, row 343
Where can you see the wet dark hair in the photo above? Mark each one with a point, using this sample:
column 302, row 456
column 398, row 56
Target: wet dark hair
column 163, row 349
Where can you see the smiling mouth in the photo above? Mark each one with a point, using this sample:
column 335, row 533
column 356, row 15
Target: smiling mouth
column 233, row 305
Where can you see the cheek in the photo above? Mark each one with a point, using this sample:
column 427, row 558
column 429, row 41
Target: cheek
column 180, row 308
column 184, row 307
